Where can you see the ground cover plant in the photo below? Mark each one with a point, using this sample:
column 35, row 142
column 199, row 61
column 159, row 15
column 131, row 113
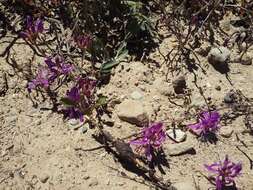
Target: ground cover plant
column 84, row 58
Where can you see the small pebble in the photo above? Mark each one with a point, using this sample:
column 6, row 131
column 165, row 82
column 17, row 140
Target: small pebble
column 93, row 182
column 44, row 178
column 243, row 46
column 179, row 84
column 85, row 128
column 86, row 177
column 136, row 95
column 218, row 88
column 230, row 97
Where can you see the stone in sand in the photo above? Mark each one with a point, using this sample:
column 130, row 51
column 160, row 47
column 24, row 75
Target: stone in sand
column 133, row 112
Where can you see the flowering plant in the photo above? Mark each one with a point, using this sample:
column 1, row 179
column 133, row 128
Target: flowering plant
column 225, row 172
column 207, row 123
column 79, row 99
column 152, row 138
column 33, row 29
column 55, row 67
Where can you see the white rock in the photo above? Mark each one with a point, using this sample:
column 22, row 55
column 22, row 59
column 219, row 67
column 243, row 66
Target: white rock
column 73, row 122
column 136, row 95
column 132, row 111
column 186, row 185
column 219, row 55
column 177, row 135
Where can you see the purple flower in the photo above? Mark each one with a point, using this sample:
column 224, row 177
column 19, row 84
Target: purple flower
column 87, row 85
column 208, row 123
column 58, row 66
column 83, row 42
column 81, row 97
column 73, row 113
column 55, row 67
column 225, row 172
column 33, row 29
column 74, row 94
column 43, row 79
column 152, row 138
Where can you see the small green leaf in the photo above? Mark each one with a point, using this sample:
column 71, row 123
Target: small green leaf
column 102, row 100
column 67, row 102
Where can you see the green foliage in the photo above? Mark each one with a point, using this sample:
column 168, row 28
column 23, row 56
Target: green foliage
column 121, row 54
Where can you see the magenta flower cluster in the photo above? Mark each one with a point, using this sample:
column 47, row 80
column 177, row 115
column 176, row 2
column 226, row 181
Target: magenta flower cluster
column 225, row 172
column 53, row 68
column 152, row 139
column 80, row 97
column 33, row 29
column 207, row 123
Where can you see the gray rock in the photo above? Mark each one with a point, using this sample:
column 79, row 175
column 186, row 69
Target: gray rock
column 230, row 97
column 132, row 111
column 247, row 60
column 226, row 132
column 107, row 120
column 93, row 182
column 179, row 84
column 177, row 135
column 186, row 185
column 136, row 95
column 86, row 177
column 218, row 87
column 85, row 128
column 43, row 178
column 219, row 55
column 178, row 149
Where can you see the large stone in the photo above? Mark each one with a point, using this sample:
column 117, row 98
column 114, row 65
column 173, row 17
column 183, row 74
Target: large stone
column 219, row 55
column 186, row 185
column 164, row 88
column 179, row 148
column 132, row 111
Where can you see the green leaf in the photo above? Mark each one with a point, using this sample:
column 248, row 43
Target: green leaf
column 102, row 100
column 67, row 102
column 121, row 54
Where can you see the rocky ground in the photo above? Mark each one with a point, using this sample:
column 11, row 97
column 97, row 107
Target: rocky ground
column 38, row 150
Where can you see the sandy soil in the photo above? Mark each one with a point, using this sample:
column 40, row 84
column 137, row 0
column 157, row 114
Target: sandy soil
column 38, row 150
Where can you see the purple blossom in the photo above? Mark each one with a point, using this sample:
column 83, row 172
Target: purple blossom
column 33, row 29
column 43, row 79
column 81, row 96
column 58, row 66
column 83, row 42
column 152, row 138
column 74, row 94
column 225, row 172
column 87, row 85
column 207, row 123
column 55, row 67
column 73, row 113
